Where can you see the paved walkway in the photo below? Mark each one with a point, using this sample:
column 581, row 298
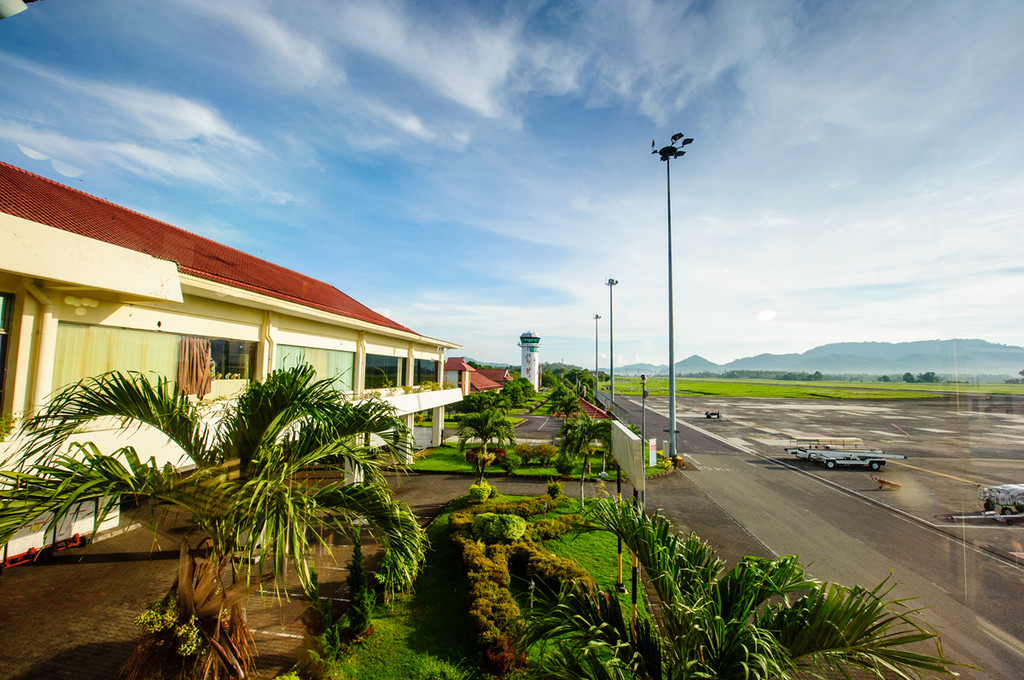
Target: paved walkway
column 69, row 615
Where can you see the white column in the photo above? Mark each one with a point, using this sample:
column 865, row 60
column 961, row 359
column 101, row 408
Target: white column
column 45, row 346
column 437, row 426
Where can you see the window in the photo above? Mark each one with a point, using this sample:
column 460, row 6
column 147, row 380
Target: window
column 232, row 359
column 384, row 371
column 87, row 351
column 328, row 363
column 424, row 370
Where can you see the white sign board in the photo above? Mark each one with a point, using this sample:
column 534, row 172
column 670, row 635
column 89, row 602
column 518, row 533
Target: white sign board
column 652, row 456
column 627, row 449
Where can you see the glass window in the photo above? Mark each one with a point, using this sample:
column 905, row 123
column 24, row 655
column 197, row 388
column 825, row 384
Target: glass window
column 328, row 363
column 384, row 371
column 86, row 351
column 232, row 359
column 424, row 370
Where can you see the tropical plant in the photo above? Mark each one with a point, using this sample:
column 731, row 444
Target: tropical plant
column 578, row 435
column 564, row 401
column 764, row 618
column 477, row 402
column 251, row 495
column 485, row 426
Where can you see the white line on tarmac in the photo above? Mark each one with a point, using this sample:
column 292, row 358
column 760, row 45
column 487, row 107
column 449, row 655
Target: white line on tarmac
column 898, row 512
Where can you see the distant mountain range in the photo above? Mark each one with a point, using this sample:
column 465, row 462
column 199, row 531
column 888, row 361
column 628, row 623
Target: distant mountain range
column 945, row 357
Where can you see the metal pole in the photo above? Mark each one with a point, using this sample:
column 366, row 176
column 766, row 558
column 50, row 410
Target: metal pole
column 611, row 345
column 596, row 374
column 671, row 329
column 643, row 413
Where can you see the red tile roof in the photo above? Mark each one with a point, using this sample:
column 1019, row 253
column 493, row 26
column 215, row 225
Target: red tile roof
column 498, row 375
column 457, row 364
column 41, row 200
column 481, row 383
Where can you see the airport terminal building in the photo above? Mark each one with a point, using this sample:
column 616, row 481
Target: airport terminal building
column 87, row 286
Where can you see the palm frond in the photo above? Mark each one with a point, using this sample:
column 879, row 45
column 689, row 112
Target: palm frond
column 54, row 488
column 128, row 396
column 589, row 635
column 834, row 627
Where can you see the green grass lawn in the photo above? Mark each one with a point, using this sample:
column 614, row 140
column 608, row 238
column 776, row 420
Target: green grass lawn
column 423, row 630
column 791, row 389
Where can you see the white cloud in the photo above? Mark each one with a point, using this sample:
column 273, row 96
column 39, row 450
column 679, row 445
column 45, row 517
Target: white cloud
column 467, row 62
column 284, row 53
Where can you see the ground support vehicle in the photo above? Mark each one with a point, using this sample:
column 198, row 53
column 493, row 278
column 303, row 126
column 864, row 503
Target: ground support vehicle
column 844, row 451
column 713, row 414
column 1006, row 499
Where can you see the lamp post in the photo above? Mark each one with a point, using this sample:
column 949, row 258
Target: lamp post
column 611, row 283
column 643, row 411
column 667, row 153
column 597, row 378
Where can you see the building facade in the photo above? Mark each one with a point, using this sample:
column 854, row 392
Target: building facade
column 87, row 286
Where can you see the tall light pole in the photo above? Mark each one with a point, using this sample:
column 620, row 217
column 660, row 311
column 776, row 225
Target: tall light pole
column 667, row 153
column 611, row 283
column 597, row 378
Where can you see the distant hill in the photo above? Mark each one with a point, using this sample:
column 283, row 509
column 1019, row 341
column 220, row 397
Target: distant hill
column 945, row 357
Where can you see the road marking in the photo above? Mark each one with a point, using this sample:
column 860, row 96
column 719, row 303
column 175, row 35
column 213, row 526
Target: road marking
column 940, row 474
column 1001, row 636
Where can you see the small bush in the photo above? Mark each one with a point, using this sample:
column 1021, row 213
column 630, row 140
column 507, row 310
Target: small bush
column 480, row 492
column 536, row 454
column 555, row 488
column 502, row 658
column 563, row 466
column 490, row 527
column 549, row 529
column 509, row 462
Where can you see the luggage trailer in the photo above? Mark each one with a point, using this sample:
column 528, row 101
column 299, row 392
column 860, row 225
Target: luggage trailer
column 846, row 451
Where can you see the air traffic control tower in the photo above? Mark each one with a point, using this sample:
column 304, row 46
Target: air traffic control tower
column 530, row 342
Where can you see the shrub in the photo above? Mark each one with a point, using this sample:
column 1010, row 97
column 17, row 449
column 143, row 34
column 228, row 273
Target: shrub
column 536, row 454
column 503, row 658
column 563, row 466
column 494, row 528
column 480, row 492
column 555, row 488
column 549, row 570
column 509, row 462
column 548, row 529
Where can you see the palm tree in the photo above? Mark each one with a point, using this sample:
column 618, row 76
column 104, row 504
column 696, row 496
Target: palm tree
column 763, row 619
column 564, row 401
column 269, row 479
column 488, row 425
column 578, row 435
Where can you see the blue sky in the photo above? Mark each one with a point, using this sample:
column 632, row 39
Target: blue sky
column 477, row 170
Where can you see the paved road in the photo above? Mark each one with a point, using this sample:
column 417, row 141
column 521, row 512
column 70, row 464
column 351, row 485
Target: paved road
column 848, row 531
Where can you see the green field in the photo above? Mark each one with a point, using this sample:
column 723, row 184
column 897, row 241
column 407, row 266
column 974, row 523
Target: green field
column 791, row 389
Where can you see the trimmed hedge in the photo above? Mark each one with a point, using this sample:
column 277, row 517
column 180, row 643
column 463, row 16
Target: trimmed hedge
column 494, row 612
column 491, row 527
